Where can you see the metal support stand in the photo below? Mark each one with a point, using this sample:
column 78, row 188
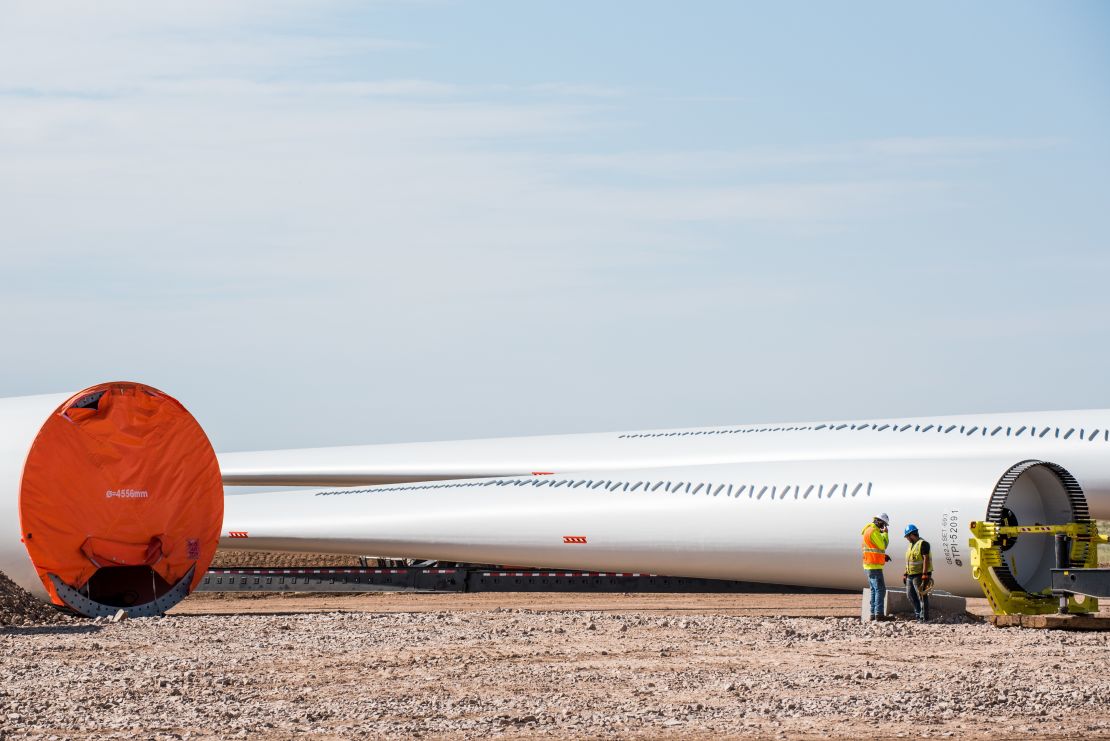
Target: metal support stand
column 1075, row 554
column 1063, row 561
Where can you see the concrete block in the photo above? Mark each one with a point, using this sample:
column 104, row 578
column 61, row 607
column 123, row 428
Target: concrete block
column 941, row 604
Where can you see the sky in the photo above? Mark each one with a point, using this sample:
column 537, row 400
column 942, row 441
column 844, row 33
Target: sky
column 326, row 223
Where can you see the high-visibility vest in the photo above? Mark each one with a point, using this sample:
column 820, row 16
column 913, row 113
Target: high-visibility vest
column 915, row 559
column 874, row 557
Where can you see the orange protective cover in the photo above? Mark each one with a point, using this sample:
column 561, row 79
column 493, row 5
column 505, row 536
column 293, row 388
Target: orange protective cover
column 133, row 480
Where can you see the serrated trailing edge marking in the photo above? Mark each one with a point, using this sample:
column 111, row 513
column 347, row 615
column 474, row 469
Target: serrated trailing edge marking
column 613, row 486
column 1060, row 432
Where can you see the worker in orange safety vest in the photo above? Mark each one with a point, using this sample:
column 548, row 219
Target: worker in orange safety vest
column 875, row 541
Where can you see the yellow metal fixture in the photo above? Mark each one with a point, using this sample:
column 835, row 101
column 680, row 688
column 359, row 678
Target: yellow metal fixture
column 1003, row 593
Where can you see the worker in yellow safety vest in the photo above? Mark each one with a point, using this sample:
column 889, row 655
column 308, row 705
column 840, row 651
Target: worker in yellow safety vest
column 875, row 541
column 919, row 572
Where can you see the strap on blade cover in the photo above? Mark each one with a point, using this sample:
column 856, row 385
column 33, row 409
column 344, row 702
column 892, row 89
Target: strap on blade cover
column 105, row 552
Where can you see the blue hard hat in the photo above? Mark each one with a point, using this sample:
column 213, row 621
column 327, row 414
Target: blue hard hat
column 911, row 528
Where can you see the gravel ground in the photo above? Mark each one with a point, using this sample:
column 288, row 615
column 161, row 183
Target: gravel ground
column 515, row 666
column 227, row 558
column 17, row 607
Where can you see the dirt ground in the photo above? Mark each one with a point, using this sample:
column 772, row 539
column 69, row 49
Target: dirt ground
column 764, row 605
column 513, row 665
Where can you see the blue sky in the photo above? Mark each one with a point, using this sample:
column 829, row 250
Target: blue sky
column 326, row 223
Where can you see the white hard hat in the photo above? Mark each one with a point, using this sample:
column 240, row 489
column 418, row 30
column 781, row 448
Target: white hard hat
column 884, row 517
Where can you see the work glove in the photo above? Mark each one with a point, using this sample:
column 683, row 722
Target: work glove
column 904, row 578
column 887, row 558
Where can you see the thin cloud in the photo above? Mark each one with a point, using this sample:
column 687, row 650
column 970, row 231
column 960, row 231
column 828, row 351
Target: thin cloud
column 939, row 146
column 575, row 90
column 848, row 156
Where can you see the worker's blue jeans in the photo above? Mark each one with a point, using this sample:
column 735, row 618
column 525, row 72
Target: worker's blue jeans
column 878, row 590
column 920, row 606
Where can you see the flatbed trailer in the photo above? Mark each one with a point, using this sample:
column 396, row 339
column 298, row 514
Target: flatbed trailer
column 416, row 579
